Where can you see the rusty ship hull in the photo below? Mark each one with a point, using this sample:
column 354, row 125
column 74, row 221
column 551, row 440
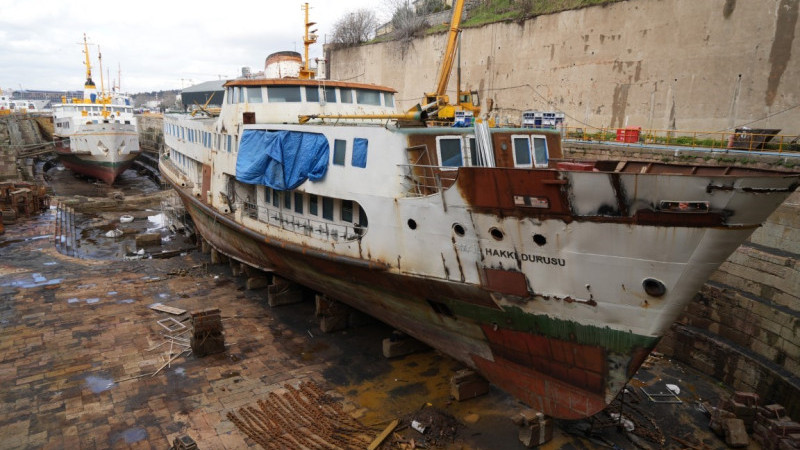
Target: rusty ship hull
column 553, row 282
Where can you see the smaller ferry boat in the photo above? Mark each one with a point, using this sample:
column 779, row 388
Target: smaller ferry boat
column 96, row 135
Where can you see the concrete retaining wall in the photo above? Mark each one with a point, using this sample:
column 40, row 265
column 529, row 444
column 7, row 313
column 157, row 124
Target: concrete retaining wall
column 151, row 132
column 663, row 64
column 16, row 134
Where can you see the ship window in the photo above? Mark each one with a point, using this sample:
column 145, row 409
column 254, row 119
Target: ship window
column 346, row 95
column 312, row 204
column 540, row 155
column 298, row 202
column 522, row 151
column 287, row 200
column 449, row 148
column 236, row 93
column 327, row 208
column 229, row 144
column 267, row 194
column 360, row 152
column 339, row 150
column 388, row 99
column 254, row 94
column 312, row 94
column 347, row 211
column 283, row 94
column 473, row 151
column 330, row 95
column 368, row 97
column 276, row 199
column 229, row 96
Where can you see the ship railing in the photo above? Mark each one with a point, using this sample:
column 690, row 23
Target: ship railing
column 423, row 180
column 302, row 224
column 744, row 138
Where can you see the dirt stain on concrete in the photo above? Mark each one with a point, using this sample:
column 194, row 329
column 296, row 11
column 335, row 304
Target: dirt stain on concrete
column 727, row 10
column 781, row 51
column 619, row 104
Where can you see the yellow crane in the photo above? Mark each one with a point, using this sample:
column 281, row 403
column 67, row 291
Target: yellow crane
column 437, row 103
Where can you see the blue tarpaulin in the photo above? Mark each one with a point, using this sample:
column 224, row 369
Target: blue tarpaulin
column 281, row 160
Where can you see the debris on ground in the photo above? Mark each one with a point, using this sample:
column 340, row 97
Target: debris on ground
column 302, row 417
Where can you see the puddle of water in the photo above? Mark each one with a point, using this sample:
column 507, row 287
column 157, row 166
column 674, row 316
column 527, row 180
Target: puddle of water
column 180, row 371
column 111, row 293
column 132, row 435
column 87, row 286
column 163, row 295
column 38, row 280
column 99, row 384
column 73, row 300
column 92, row 300
column 127, row 300
column 50, row 263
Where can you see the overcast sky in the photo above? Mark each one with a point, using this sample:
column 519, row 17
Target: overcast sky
column 158, row 45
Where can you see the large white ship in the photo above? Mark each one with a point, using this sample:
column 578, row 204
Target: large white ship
column 96, row 135
column 554, row 279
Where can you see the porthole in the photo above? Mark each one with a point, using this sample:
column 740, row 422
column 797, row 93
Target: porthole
column 412, row 224
column 496, row 233
column 653, row 287
column 458, row 229
column 539, row 239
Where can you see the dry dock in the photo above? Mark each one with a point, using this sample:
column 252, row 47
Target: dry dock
column 85, row 363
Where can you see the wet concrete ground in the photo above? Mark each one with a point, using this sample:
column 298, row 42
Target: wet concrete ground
column 79, row 344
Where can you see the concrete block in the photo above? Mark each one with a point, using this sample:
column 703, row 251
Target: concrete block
column 283, row 292
column 536, row 433
column 400, row 345
column 466, row 384
column 735, row 433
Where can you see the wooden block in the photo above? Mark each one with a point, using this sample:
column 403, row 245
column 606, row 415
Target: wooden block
column 536, row 434
column 283, row 293
column 393, row 348
column 466, row 384
column 168, row 309
column 257, row 282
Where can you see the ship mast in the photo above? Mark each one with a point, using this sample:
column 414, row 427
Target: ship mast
column 308, row 39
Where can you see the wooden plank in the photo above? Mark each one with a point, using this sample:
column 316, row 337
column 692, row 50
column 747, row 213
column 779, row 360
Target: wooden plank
column 168, row 309
column 377, row 441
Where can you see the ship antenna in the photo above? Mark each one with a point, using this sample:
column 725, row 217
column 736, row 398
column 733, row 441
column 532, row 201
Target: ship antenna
column 308, row 39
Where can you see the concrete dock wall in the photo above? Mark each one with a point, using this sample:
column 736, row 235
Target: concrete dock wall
column 659, row 64
column 17, row 133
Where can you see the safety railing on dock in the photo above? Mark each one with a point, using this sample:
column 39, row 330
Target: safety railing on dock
column 740, row 139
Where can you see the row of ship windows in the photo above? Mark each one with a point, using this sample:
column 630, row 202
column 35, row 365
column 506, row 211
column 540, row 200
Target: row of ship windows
column 95, row 108
column 311, row 94
column 214, row 141
column 315, row 205
column 458, row 151
column 227, row 142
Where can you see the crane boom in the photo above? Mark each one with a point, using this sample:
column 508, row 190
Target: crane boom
column 450, row 51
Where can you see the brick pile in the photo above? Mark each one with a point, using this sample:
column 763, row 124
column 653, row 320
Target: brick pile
column 774, row 430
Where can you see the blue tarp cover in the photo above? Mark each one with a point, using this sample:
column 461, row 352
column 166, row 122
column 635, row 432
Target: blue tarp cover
column 281, row 160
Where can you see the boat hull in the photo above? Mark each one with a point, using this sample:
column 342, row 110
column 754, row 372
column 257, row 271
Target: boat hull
column 548, row 363
column 101, row 151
